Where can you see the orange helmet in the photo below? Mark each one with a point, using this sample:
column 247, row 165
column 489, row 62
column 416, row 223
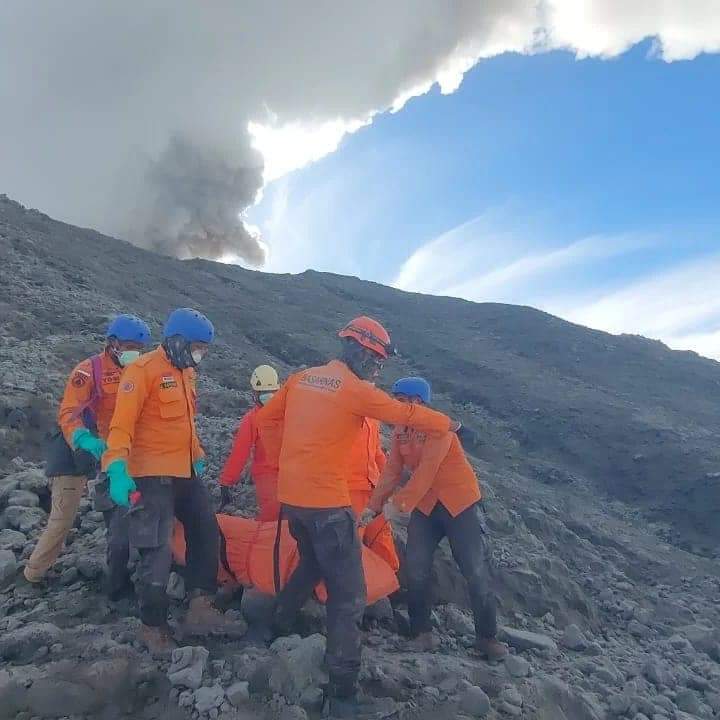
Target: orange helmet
column 370, row 334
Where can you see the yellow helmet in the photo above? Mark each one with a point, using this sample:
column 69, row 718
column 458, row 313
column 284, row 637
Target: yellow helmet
column 264, row 379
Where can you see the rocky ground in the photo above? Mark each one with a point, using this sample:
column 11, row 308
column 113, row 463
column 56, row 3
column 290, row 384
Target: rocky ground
column 604, row 620
column 599, row 458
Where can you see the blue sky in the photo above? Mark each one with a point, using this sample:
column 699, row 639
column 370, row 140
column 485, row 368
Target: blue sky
column 587, row 188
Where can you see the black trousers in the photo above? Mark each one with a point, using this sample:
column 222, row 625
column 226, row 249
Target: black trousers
column 151, row 529
column 118, row 551
column 468, row 540
column 329, row 548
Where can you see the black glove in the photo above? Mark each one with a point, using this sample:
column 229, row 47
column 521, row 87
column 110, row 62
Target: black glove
column 468, row 437
column 225, row 495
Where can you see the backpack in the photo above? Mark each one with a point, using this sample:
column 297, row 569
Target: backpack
column 60, row 458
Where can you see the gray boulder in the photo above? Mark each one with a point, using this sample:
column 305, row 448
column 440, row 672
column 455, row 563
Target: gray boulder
column 207, row 698
column 573, row 638
column 187, row 667
column 12, row 539
column 23, row 498
column 475, row 702
column 21, row 518
column 299, row 665
column 525, row 640
column 8, row 566
column 20, row 645
column 239, row 693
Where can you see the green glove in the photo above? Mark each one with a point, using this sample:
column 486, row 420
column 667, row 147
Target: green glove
column 83, row 439
column 199, row 467
column 121, row 484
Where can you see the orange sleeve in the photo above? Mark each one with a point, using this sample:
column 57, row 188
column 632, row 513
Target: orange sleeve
column 389, row 478
column 365, row 399
column 434, row 452
column 128, row 406
column 240, row 452
column 78, row 391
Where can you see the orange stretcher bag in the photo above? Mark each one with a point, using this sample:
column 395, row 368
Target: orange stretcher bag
column 247, row 550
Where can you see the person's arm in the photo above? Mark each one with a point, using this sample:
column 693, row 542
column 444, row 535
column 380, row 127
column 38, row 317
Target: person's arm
column 128, row 406
column 367, row 400
column 389, row 478
column 239, row 454
column 78, row 391
column 434, row 451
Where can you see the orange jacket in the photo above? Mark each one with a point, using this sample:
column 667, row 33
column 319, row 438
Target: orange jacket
column 249, row 438
column 78, row 391
column 367, row 459
column 440, row 473
column 153, row 426
column 321, row 410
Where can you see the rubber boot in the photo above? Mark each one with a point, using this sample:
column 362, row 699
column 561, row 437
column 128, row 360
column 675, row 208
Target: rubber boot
column 424, row 642
column 203, row 618
column 157, row 640
column 491, row 649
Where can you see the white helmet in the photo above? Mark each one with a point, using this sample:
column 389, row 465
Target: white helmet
column 264, row 379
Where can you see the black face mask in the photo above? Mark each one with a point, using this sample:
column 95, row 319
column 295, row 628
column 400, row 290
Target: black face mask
column 178, row 351
column 363, row 363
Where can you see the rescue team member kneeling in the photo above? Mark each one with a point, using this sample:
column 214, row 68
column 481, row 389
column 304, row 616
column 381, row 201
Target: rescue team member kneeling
column 443, row 496
column 153, row 448
column 84, row 421
column 321, row 410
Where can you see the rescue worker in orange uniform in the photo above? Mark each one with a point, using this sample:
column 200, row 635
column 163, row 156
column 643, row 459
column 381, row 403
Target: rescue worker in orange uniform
column 154, row 454
column 367, row 461
column 75, row 450
column 443, row 497
column 249, row 439
column 321, row 411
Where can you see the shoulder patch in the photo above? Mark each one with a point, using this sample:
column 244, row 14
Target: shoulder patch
column 79, row 379
column 128, row 387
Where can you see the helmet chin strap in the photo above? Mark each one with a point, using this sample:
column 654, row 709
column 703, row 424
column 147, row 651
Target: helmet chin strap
column 178, row 350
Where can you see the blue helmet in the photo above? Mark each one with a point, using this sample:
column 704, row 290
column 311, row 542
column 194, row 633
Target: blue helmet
column 413, row 387
column 128, row 328
column 190, row 324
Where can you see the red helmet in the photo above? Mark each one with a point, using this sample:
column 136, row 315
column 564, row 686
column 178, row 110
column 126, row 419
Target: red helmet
column 370, row 334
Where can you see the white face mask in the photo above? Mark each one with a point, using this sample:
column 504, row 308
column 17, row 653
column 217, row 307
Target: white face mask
column 127, row 357
column 197, row 356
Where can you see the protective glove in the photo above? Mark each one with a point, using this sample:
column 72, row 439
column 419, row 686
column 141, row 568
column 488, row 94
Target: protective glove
column 225, row 495
column 121, row 484
column 366, row 517
column 83, row 439
column 199, row 467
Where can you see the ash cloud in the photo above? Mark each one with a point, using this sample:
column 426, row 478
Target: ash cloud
column 132, row 117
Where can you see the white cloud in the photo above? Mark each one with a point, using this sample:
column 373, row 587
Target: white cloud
column 487, row 260
column 672, row 305
column 683, row 28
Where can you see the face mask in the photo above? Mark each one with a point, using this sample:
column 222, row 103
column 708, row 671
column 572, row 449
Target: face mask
column 127, row 357
column 264, row 398
column 197, row 356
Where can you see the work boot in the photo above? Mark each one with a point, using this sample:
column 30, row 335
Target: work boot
column 491, row 649
column 157, row 640
column 424, row 642
column 203, row 618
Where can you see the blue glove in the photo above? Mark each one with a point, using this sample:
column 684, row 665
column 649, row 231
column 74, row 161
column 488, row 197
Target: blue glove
column 121, row 484
column 199, row 467
column 83, row 439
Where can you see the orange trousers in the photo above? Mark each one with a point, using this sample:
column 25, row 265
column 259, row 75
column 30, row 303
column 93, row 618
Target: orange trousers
column 266, row 496
column 378, row 534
